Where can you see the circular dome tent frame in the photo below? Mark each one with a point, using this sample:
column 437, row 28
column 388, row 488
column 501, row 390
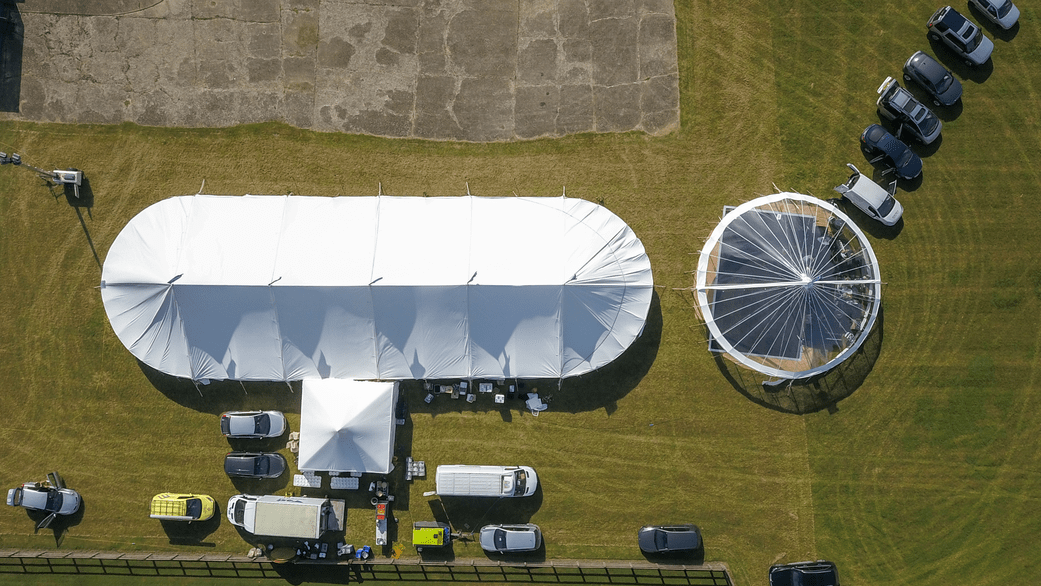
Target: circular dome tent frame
column 788, row 286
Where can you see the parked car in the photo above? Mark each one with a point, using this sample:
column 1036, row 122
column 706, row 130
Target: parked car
column 933, row 78
column 878, row 144
column 252, row 424
column 1001, row 12
column 511, row 538
column 41, row 496
column 669, row 538
column 818, row 573
column 897, row 104
column 254, row 465
column 170, row 506
column 963, row 37
column 871, row 198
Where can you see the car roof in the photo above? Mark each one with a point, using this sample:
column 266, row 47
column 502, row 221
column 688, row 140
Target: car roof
column 872, row 192
column 930, row 68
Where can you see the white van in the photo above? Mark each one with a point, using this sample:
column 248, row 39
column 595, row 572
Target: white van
column 281, row 516
column 495, row 481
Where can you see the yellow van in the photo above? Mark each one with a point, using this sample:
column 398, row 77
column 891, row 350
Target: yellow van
column 182, row 507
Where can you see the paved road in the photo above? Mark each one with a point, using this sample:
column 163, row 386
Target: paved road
column 473, row 70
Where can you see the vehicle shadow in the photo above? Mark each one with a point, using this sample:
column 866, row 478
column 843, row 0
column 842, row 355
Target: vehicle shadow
column 696, row 557
column 992, row 29
column 12, row 40
column 225, row 395
column 800, row 397
column 956, row 64
column 275, row 485
column 61, row 524
column 867, row 223
column 194, row 532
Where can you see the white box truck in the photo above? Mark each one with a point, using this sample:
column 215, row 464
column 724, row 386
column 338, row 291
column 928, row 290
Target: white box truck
column 495, row 481
column 286, row 516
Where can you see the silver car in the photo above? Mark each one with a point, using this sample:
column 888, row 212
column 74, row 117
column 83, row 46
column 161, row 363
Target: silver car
column 511, row 538
column 963, row 37
column 871, row 198
column 1001, row 12
column 252, row 424
column 900, row 106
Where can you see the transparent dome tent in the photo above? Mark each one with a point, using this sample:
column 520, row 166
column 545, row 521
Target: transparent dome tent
column 788, row 286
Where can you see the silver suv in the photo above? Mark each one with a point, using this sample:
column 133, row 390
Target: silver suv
column 963, row 37
column 871, row 198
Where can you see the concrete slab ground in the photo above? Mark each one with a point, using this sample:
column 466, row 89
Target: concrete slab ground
column 471, row 70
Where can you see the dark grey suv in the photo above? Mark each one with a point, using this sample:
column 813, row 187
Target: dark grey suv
column 254, row 465
column 669, row 538
column 933, row 78
column 818, row 573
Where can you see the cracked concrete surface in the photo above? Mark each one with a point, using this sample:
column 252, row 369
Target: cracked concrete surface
column 471, row 70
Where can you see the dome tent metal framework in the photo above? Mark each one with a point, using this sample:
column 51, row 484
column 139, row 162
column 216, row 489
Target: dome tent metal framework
column 788, row 286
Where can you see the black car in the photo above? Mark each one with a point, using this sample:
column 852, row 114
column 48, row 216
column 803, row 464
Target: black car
column 934, row 78
column 669, row 538
column 254, row 465
column 878, row 144
column 818, row 573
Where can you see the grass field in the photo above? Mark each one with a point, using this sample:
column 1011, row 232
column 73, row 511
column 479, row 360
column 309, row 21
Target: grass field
column 929, row 473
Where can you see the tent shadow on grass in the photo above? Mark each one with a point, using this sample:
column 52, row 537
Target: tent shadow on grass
column 226, row 395
column 601, row 388
column 812, row 395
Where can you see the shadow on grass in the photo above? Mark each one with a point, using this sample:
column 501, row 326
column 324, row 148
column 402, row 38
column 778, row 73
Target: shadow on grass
column 696, row 557
column 61, row 524
column 601, row 388
column 226, row 395
column 812, row 395
column 194, row 532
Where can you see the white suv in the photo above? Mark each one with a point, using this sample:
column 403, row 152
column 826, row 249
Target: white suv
column 963, row 37
column 871, row 198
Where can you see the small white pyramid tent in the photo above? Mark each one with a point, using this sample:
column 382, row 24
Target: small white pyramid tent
column 347, row 426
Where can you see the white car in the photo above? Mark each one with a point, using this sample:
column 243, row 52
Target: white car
column 871, row 198
column 252, row 424
column 40, row 496
column 1001, row 12
column 511, row 538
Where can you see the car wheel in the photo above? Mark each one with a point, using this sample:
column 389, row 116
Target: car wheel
column 969, row 63
column 907, row 77
column 937, row 103
column 934, row 36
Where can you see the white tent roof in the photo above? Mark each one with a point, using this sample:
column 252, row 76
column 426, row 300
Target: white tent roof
column 288, row 287
column 347, row 426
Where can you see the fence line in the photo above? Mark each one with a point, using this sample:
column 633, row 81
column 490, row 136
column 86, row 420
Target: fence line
column 237, row 566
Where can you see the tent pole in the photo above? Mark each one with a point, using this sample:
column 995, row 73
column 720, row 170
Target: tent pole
column 290, row 386
column 196, row 383
column 243, row 385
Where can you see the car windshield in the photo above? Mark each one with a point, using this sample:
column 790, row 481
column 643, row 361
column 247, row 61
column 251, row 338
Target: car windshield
column 263, row 424
column 519, row 481
column 1004, row 9
column 54, row 500
column 261, row 465
column 887, row 206
column 928, row 123
column 499, row 539
column 194, row 508
column 904, row 158
column 240, row 511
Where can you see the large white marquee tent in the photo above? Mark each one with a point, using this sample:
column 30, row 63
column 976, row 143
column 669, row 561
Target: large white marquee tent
column 390, row 288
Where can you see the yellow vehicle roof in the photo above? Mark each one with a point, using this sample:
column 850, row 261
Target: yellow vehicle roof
column 175, row 506
column 428, row 534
